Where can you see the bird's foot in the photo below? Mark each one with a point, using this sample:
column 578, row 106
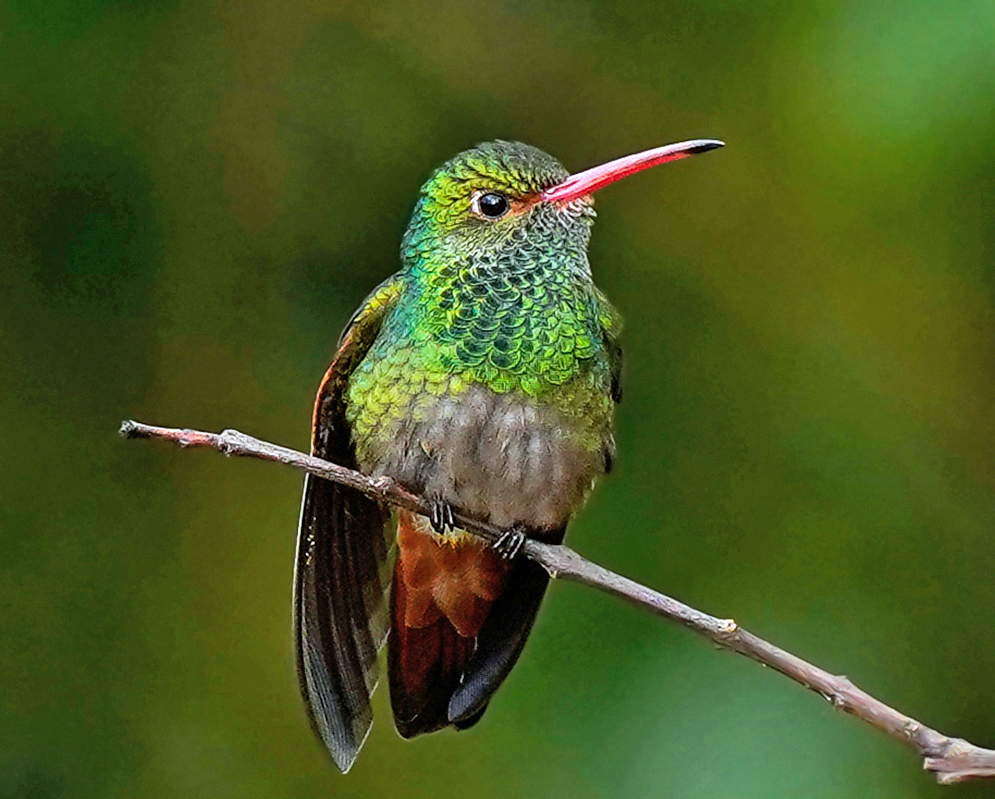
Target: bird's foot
column 511, row 541
column 442, row 517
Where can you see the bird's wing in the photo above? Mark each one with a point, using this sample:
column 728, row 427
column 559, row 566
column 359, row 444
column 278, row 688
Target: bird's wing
column 610, row 322
column 341, row 571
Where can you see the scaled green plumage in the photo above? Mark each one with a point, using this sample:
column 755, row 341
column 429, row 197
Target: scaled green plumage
column 508, row 304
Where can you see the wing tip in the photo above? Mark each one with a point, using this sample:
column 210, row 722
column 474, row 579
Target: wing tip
column 344, row 756
column 462, row 714
column 344, row 760
column 343, row 747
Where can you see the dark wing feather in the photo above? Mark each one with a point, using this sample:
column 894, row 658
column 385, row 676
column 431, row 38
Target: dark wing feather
column 610, row 323
column 501, row 639
column 615, row 362
column 611, row 329
column 340, row 581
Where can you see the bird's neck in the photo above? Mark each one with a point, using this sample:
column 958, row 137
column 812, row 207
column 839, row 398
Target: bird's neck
column 515, row 323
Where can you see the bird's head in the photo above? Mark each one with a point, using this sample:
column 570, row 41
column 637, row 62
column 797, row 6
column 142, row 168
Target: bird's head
column 502, row 199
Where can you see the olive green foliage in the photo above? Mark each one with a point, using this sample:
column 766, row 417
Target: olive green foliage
column 194, row 197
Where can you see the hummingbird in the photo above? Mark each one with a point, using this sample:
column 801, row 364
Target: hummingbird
column 483, row 376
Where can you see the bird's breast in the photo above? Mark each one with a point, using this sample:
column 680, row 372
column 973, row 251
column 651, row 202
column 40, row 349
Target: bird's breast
column 503, row 456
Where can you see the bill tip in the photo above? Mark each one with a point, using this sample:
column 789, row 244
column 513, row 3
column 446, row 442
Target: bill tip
column 705, row 145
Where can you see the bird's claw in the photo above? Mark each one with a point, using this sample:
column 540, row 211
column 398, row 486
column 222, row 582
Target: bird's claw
column 510, row 543
column 442, row 517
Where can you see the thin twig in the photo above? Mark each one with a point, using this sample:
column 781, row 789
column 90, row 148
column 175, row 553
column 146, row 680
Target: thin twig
column 951, row 760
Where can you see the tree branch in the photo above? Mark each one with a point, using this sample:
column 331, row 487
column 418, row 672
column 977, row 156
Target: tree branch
column 951, row 760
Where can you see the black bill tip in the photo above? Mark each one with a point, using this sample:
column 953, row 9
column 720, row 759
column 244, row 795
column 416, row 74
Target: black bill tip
column 705, row 145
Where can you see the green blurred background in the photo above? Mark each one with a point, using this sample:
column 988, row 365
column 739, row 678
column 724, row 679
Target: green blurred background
column 193, row 198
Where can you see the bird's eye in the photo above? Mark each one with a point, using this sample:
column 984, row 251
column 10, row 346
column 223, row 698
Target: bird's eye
column 490, row 205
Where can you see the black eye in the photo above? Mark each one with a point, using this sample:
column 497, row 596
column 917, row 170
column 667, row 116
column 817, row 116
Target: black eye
column 492, row 205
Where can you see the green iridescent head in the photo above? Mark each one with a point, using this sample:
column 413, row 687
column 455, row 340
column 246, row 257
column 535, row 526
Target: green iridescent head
column 489, row 200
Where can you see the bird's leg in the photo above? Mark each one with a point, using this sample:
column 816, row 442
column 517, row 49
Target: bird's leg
column 510, row 542
column 442, row 517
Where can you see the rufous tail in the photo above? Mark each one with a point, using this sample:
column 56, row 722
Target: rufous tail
column 440, row 597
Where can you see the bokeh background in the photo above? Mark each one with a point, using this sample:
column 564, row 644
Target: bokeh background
column 193, row 198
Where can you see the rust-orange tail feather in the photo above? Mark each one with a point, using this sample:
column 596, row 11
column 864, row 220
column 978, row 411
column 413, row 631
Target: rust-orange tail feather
column 440, row 598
